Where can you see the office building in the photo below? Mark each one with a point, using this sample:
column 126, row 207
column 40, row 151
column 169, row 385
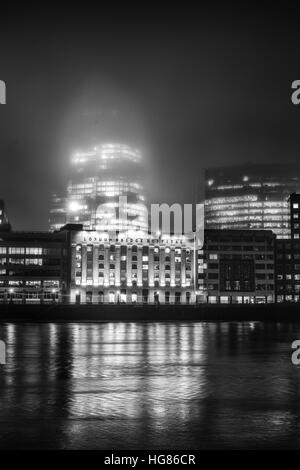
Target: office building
column 34, row 267
column 237, row 266
column 4, row 222
column 250, row 197
column 99, row 177
column 288, row 257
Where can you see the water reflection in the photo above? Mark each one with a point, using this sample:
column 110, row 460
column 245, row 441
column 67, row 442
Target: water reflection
column 144, row 385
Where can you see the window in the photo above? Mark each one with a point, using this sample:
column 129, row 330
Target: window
column 34, row 261
column 213, row 266
column 17, row 251
column 33, row 251
column 213, row 275
column 260, row 266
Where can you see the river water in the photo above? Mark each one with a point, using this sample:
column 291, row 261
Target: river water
column 178, row 385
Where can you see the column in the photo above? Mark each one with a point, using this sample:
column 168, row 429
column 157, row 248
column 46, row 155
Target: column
column 117, row 266
column 83, row 264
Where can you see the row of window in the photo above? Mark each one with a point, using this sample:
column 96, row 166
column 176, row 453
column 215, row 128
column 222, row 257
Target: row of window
column 288, row 277
column 145, row 259
column 46, row 284
column 216, row 256
column 19, row 250
column 236, row 286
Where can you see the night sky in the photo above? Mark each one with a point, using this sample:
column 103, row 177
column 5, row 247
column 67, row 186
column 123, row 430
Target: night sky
column 191, row 89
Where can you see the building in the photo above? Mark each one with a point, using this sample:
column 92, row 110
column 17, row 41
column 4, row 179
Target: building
column 34, row 267
column 237, row 266
column 250, row 197
column 294, row 206
column 4, row 222
column 131, row 270
column 288, row 257
column 99, row 177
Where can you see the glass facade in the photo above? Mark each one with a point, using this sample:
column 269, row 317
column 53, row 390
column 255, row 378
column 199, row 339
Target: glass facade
column 99, row 178
column 3, row 215
column 250, row 197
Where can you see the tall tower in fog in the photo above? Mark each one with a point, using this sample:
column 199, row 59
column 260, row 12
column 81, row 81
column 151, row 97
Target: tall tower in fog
column 98, row 178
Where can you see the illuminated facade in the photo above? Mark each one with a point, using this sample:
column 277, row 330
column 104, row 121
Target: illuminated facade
column 250, row 197
column 4, row 223
column 89, row 267
column 237, row 266
column 131, row 270
column 99, row 178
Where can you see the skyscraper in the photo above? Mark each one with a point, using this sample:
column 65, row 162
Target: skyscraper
column 99, row 177
column 4, row 223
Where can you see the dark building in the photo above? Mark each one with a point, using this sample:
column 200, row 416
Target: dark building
column 294, row 201
column 250, row 197
column 237, row 266
column 34, row 266
column 288, row 257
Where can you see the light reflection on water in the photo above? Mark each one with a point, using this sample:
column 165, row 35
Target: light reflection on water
column 149, row 385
